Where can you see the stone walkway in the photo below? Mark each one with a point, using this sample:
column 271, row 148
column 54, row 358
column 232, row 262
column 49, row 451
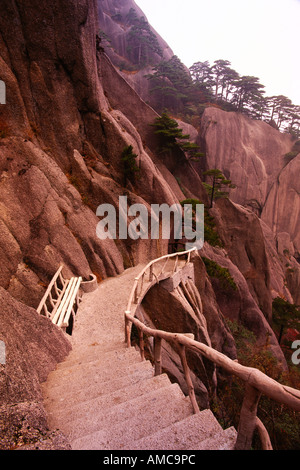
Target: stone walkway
column 103, row 397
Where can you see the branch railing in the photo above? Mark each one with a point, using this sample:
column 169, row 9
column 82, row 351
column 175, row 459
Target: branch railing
column 256, row 382
column 154, row 271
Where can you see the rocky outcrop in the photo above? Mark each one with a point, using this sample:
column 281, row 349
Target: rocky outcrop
column 240, row 306
column 28, row 359
column 56, row 167
column 255, row 156
column 281, row 211
column 114, row 23
column 249, row 152
column 243, row 238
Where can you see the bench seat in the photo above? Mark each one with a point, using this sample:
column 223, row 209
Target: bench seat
column 60, row 299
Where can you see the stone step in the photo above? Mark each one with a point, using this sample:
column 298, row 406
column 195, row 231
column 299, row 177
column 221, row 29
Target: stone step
column 132, row 421
column 131, row 418
column 60, row 398
column 60, row 416
column 222, row 441
column 70, row 388
column 81, row 353
column 103, row 358
column 76, row 375
column 182, row 435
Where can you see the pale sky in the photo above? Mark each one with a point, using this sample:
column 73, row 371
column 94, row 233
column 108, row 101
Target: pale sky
column 259, row 37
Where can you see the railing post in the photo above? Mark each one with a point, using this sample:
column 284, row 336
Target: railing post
column 188, row 379
column 157, row 356
column 248, row 418
column 263, row 435
column 142, row 348
column 136, row 294
column 127, row 331
column 151, row 273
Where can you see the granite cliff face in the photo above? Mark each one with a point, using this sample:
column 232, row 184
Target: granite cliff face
column 116, row 20
column 69, row 117
column 255, row 157
column 250, row 153
column 282, row 208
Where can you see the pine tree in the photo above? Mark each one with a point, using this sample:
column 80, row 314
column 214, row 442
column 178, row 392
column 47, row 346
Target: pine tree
column 218, row 183
column 142, row 40
column 172, row 138
column 130, row 167
column 171, row 85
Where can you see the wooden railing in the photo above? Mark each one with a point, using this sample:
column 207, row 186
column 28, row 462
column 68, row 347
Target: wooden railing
column 155, row 271
column 256, row 382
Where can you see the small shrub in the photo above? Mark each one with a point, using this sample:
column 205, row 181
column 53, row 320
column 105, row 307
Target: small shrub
column 210, row 230
column 222, row 274
column 130, row 167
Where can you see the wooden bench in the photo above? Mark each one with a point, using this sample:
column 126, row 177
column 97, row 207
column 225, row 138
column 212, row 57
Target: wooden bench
column 60, row 299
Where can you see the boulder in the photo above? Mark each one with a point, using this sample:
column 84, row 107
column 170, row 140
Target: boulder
column 33, row 347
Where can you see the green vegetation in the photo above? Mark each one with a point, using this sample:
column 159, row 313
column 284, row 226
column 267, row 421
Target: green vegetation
column 211, row 235
column 172, row 138
column 189, row 92
column 143, row 43
column 283, row 424
column 218, row 183
column 285, row 315
column 294, row 152
column 210, row 230
column 130, row 167
column 171, row 86
column 102, row 41
column 214, row 270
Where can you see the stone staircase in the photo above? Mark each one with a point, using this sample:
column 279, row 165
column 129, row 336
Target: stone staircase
column 104, row 397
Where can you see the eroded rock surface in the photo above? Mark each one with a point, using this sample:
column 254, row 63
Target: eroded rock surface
column 282, row 208
column 250, row 153
column 33, row 347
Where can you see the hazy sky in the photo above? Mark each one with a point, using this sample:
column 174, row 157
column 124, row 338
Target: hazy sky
column 259, row 37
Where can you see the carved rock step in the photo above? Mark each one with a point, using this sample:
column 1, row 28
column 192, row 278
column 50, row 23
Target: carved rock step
column 107, row 401
column 224, row 440
column 70, row 388
column 102, row 358
column 75, row 375
column 91, row 352
column 58, row 397
column 130, row 421
column 198, row 431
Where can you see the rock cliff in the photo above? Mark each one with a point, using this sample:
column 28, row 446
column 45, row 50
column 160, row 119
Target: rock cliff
column 249, row 152
column 116, row 21
column 255, row 156
column 281, row 211
column 57, row 166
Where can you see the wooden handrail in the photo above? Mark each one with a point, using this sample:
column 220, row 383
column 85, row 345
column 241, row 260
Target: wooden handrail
column 150, row 267
column 48, row 291
column 257, row 383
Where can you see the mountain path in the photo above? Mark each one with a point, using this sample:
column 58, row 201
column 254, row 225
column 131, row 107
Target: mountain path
column 104, row 397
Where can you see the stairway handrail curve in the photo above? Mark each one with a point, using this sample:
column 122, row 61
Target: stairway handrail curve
column 256, row 381
column 152, row 263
